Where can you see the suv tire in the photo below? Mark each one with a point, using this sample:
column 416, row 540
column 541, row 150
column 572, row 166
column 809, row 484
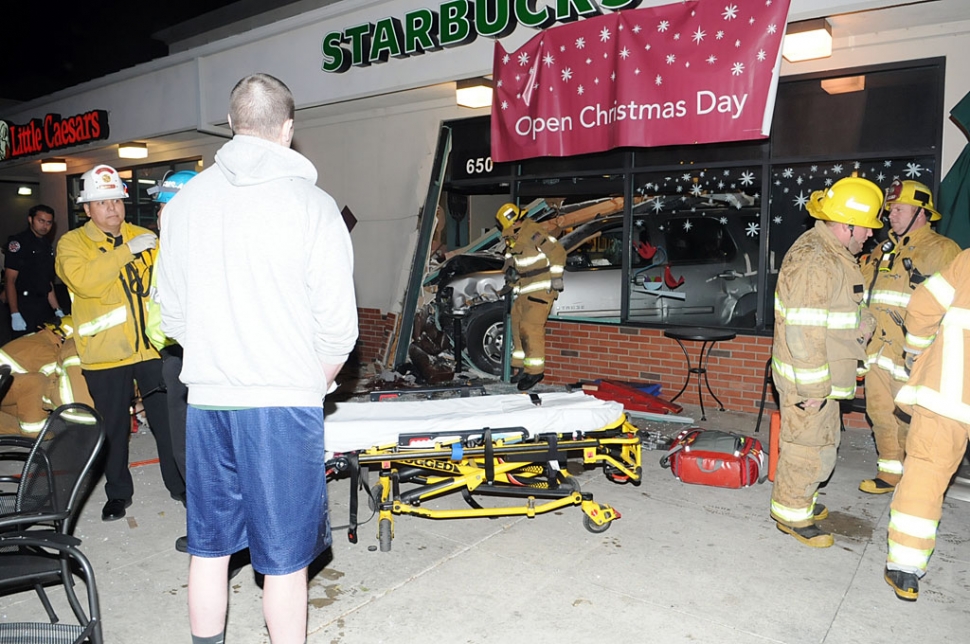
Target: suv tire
column 484, row 337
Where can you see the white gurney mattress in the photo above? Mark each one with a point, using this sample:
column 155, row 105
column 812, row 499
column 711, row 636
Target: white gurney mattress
column 360, row 426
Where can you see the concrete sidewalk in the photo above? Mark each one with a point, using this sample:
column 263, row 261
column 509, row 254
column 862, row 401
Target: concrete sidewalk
column 685, row 563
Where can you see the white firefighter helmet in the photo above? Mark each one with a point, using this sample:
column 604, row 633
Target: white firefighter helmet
column 101, row 183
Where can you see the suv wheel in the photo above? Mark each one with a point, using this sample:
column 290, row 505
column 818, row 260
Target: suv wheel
column 484, row 337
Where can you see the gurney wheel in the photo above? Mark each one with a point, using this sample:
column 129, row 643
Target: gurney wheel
column 384, row 534
column 590, row 525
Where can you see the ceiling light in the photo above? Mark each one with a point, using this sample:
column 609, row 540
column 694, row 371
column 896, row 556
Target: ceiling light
column 24, row 191
column 53, row 165
column 133, row 150
column 844, row 84
column 474, row 92
column 807, row 40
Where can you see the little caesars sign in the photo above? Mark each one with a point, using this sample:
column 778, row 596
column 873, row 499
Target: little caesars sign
column 457, row 22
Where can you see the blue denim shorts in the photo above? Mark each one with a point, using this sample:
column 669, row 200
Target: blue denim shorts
column 256, row 478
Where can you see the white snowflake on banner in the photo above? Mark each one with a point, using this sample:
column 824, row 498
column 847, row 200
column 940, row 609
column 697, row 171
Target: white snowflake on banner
column 887, row 164
column 801, row 200
column 580, row 90
column 723, row 220
column 913, row 170
column 562, row 48
column 580, row 43
column 777, row 219
column 814, row 168
column 799, row 180
column 605, row 34
column 737, row 69
column 752, row 229
column 751, row 20
column 719, row 35
column 711, row 59
column 767, row 3
column 663, row 26
column 523, row 58
column 720, row 184
column 505, row 59
column 857, row 165
column 637, row 71
column 670, row 59
column 624, row 53
column 637, row 29
column 747, row 178
column 548, row 60
column 685, row 177
column 505, row 105
column 567, row 74
column 837, row 168
column 596, row 81
column 787, row 174
column 687, row 225
column 657, row 204
column 696, row 190
column 772, row 28
column 730, row 12
column 698, row 35
column 762, row 55
column 613, row 76
column 880, row 176
column 828, row 181
column 659, row 80
column 737, row 43
column 589, row 61
column 727, row 173
column 677, row 36
column 647, row 47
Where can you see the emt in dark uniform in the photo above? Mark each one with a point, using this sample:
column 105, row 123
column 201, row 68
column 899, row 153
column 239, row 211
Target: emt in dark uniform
column 29, row 274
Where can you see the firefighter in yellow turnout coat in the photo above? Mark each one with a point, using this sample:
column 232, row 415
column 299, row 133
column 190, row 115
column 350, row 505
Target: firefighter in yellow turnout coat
column 821, row 328
column 938, row 391
column 46, row 374
column 912, row 253
column 534, row 262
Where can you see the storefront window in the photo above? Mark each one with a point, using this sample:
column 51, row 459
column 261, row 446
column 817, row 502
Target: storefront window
column 695, row 247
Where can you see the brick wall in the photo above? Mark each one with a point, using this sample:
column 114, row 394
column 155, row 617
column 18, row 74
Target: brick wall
column 374, row 330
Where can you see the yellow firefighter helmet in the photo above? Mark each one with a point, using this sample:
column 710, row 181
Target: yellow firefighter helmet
column 507, row 215
column 912, row 193
column 853, row 200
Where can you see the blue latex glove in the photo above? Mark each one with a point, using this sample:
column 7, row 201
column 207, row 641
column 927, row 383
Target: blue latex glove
column 59, row 313
column 17, row 322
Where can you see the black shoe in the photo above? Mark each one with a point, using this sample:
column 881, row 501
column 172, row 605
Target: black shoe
column 820, row 513
column 905, row 584
column 516, row 375
column 114, row 509
column 528, row 381
column 182, row 544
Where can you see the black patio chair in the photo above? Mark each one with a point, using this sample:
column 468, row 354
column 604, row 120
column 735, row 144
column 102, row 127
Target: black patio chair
column 37, row 548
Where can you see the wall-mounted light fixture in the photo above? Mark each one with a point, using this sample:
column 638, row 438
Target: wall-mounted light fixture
column 133, row 150
column 474, row 92
column 807, row 40
column 844, row 84
column 53, row 165
column 24, row 191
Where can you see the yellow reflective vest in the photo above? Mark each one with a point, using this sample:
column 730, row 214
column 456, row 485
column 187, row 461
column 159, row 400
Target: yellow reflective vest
column 821, row 322
column 890, row 285
column 109, row 288
column 938, row 331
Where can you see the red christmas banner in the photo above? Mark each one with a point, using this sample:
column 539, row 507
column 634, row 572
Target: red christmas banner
column 692, row 72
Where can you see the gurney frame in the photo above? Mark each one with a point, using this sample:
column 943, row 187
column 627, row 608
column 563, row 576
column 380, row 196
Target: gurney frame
column 502, row 462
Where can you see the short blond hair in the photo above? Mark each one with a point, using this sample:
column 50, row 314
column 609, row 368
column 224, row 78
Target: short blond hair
column 259, row 105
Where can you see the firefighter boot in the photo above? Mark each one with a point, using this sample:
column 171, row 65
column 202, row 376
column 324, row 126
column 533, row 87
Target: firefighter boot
column 905, row 584
column 820, row 513
column 876, row 486
column 516, row 375
column 528, row 381
column 810, row 535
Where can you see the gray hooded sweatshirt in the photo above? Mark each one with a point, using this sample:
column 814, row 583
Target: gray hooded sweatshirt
column 255, row 279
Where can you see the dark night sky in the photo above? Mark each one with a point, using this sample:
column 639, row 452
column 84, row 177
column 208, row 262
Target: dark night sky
column 47, row 46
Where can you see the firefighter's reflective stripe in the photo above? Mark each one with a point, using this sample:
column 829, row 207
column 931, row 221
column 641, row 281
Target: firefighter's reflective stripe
column 79, row 416
column 518, row 355
column 792, row 515
column 941, row 290
column 948, row 400
column 801, row 376
column 886, row 363
column 908, row 558
column 534, row 362
column 113, row 318
column 935, row 401
column 890, row 298
column 890, row 467
column 49, row 368
column 818, row 317
column 15, row 367
column 913, row 526
column 71, row 361
column 555, row 269
column 32, row 428
column 527, row 261
column 919, row 342
column 533, row 287
column 842, row 393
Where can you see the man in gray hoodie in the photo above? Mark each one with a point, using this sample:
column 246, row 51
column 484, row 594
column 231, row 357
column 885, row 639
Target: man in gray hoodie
column 264, row 335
